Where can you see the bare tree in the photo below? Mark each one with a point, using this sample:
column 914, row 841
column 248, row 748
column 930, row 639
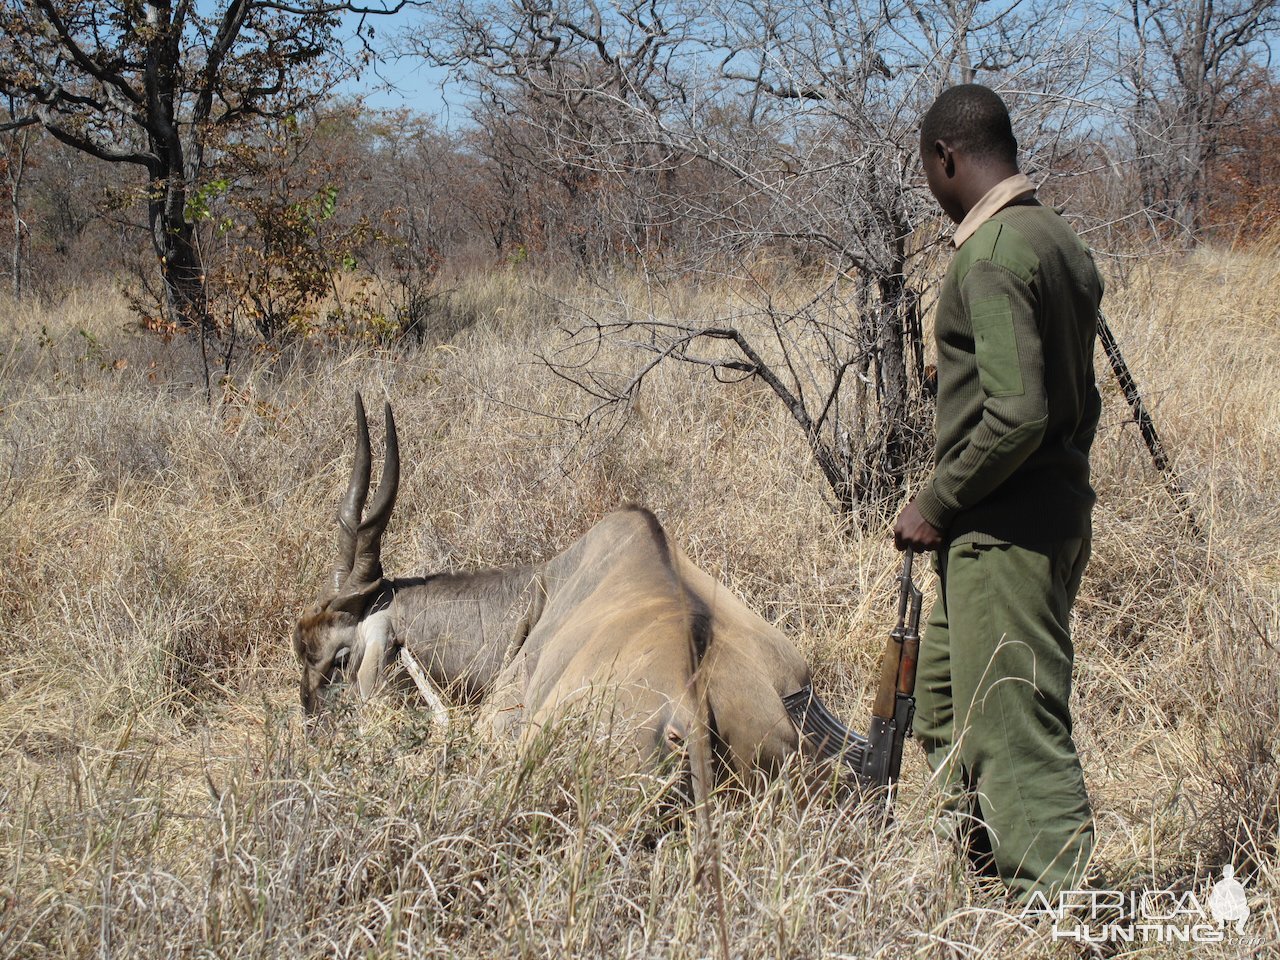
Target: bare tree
column 807, row 111
column 160, row 84
column 1183, row 63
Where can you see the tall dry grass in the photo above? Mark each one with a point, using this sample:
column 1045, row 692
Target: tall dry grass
column 161, row 800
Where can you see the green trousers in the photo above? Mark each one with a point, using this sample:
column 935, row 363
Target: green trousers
column 992, row 688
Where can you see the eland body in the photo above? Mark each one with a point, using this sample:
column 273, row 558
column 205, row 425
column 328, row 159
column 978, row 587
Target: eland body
column 622, row 614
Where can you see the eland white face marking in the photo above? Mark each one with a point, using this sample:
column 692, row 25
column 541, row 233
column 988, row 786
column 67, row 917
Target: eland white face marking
column 377, row 650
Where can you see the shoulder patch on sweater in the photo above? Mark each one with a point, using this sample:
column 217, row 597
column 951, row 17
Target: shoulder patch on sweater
column 998, row 243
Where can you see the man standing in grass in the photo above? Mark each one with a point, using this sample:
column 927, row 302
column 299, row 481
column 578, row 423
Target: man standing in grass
column 1008, row 505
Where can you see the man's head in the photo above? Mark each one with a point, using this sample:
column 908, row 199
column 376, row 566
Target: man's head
column 967, row 146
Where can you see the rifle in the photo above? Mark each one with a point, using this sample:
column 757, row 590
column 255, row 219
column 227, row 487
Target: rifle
column 875, row 759
column 1146, row 426
column 895, row 702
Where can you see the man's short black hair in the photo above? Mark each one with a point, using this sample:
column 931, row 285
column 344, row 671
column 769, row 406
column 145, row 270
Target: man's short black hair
column 973, row 119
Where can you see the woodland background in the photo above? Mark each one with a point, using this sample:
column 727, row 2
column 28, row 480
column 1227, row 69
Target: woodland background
column 673, row 253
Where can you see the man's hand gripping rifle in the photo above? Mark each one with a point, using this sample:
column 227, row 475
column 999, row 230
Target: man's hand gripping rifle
column 875, row 759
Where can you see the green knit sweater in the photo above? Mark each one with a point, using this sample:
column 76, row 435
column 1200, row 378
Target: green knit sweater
column 1017, row 403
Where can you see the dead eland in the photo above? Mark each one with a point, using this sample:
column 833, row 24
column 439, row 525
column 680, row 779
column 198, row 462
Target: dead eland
column 621, row 614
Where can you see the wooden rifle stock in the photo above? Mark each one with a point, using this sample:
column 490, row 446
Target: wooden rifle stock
column 876, row 758
column 894, row 704
column 887, row 688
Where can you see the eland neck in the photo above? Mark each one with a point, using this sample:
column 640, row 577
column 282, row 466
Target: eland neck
column 465, row 627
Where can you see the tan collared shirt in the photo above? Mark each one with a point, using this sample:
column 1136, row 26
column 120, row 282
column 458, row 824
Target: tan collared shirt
column 997, row 198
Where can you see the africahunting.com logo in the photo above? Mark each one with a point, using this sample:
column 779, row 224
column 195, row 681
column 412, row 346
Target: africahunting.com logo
column 1148, row 916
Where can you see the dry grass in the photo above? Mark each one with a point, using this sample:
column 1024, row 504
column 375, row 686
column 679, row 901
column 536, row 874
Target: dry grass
column 160, row 799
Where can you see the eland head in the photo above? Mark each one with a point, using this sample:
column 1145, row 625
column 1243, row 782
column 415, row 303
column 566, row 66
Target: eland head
column 346, row 635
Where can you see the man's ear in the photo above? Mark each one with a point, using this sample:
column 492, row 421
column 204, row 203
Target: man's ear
column 946, row 157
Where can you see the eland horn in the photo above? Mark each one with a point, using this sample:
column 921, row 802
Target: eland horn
column 366, row 541
column 352, row 505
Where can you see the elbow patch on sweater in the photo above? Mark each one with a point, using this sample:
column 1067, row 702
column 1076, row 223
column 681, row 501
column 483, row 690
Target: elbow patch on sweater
column 996, row 347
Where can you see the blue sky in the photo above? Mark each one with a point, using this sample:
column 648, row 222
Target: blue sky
column 407, row 83
column 411, row 85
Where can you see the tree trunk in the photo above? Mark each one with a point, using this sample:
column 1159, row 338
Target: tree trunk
column 15, row 172
column 180, row 261
column 885, row 460
column 15, row 211
column 172, row 234
column 886, row 455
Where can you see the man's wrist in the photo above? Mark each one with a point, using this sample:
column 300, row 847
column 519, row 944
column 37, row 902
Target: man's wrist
column 932, row 509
